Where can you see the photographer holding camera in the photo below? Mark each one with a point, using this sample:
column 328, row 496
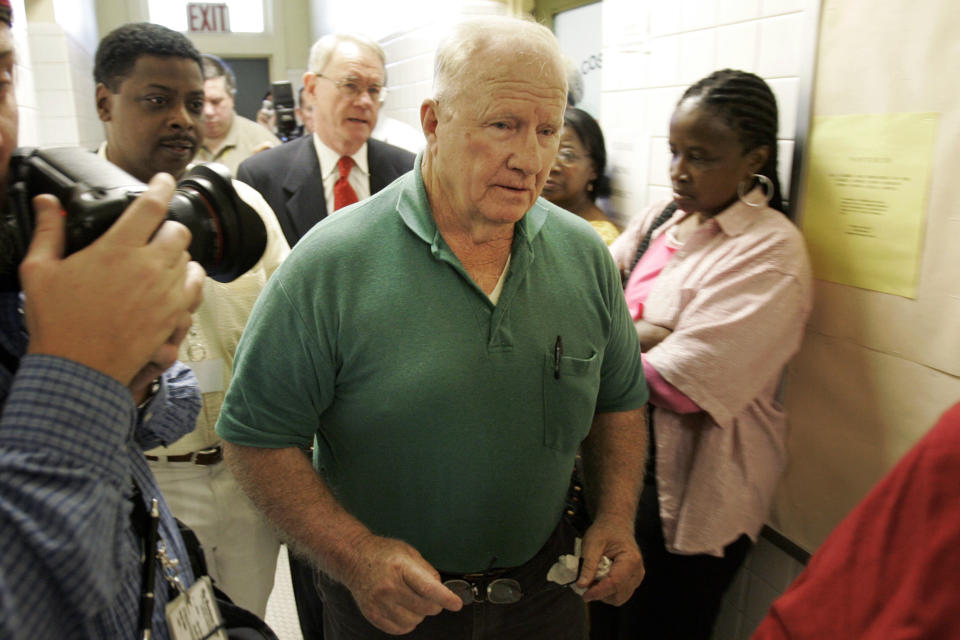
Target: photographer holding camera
column 80, row 348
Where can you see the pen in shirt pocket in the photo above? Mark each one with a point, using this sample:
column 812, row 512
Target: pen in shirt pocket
column 557, row 354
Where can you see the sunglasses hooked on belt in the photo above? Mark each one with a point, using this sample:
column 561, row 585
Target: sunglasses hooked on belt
column 493, row 587
column 485, row 586
column 497, row 591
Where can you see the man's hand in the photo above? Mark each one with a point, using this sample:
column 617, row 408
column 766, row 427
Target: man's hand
column 613, row 477
column 267, row 118
column 120, row 303
column 650, row 334
column 615, row 540
column 395, row 587
column 161, row 360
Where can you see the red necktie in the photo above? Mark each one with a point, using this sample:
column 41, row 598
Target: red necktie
column 343, row 193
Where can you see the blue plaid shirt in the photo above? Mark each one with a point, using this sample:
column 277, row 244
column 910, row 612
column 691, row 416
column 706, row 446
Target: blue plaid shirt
column 71, row 445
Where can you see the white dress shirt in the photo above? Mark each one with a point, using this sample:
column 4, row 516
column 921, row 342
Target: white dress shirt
column 359, row 177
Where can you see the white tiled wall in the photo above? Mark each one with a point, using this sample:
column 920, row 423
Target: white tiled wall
column 409, row 72
column 670, row 45
column 26, row 94
column 410, row 56
column 765, row 575
column 55, row 79
column 63, row 82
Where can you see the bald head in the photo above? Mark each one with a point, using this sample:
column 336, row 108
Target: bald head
column 323, row 49
column 492, row 127
column 477, row 49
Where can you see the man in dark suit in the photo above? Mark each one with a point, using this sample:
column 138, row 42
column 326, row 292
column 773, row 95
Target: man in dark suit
column 308, row 179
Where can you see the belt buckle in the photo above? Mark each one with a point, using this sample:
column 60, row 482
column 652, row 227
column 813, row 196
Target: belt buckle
column 204, row 457
column 207, row 457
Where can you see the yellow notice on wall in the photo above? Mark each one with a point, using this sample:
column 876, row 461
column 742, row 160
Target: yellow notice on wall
column 866, row 198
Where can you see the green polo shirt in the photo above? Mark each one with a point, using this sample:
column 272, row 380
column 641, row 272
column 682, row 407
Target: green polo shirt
column 441, row 419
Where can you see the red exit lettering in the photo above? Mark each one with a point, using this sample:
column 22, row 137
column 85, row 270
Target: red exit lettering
column 205, row 17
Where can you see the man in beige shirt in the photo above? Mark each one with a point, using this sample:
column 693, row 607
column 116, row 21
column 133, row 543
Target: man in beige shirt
column 149, row 95
column 228, row 138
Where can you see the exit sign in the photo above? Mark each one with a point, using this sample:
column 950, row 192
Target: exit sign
column 207, row 17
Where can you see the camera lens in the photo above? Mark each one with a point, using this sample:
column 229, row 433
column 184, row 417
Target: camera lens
column 228, row 235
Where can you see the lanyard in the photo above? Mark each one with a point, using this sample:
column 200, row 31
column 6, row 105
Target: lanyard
column 10, row 362
column 146, row 525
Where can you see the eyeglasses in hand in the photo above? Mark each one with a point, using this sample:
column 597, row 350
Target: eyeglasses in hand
column 499, row 591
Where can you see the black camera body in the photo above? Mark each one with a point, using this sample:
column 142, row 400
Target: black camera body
column 285, row 110
column 228, row 236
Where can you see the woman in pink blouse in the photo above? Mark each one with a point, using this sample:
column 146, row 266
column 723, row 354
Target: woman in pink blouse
column 719, row 296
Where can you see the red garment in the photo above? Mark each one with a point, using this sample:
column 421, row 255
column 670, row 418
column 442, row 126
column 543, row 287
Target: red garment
column 343, row 193
column 891, row 569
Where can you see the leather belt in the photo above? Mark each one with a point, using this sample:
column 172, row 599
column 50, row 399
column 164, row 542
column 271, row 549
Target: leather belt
column 205, row 457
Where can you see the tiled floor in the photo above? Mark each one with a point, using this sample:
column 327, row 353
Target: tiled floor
column 767, row 572
column 281, row 608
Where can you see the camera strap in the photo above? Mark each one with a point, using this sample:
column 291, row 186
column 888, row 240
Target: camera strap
column 10, row 362
column 661, row 218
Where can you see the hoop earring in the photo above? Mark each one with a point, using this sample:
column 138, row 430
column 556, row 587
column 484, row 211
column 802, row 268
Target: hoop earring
column 768, row 190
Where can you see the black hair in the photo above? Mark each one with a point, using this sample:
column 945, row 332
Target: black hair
column 588, row 130
column 748, row 105
column 118, row 52
column 6, row 13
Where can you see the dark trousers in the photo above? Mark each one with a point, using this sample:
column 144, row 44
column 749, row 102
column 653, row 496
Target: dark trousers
column 547, row 611
column 680, row 595
column 309, row 604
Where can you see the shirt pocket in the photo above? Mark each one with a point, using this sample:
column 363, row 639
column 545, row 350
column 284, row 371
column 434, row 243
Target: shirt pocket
column 569, row 399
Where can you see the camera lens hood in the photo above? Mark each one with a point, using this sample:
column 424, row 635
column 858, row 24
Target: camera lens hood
column 237, row 237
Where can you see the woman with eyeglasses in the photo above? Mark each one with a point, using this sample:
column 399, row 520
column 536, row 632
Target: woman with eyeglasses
column 577, row 178
column 719, row 287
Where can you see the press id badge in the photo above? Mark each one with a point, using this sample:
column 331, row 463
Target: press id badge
column 194, row 615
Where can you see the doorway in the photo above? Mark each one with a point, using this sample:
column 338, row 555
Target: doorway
column 253, row 81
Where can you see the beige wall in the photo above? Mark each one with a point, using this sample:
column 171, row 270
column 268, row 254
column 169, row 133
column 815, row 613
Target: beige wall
column 57, row 40
column 39, row 11
column 285, row 43
column 876, row 369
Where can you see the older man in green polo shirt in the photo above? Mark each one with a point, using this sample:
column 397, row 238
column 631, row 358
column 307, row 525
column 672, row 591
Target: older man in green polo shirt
column 449, row 344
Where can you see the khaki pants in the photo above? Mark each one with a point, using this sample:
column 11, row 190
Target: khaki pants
column 239, row 545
